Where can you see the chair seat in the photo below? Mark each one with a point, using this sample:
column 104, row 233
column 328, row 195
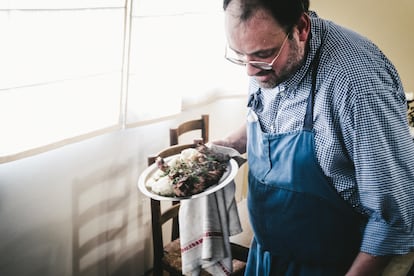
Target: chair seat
column 172, row 259
column 172, row 255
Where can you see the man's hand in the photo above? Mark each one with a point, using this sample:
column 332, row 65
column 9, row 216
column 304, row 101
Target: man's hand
column 236, row 140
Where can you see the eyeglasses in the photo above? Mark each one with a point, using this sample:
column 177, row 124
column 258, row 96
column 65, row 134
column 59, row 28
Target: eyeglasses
column 239, row 59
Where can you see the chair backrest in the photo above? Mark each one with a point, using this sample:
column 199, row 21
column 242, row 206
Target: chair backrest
column 161, row 216
column 201, row 124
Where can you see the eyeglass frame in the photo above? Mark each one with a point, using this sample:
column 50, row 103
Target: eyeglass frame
column 257, row 64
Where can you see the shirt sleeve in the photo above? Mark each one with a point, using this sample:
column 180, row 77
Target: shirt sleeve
column 383, row 154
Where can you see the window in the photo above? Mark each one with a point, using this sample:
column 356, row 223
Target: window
column 60, row 71
column 72, row 69
column 177, row 57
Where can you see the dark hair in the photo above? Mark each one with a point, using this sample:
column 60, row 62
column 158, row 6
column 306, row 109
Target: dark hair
column 285, row 12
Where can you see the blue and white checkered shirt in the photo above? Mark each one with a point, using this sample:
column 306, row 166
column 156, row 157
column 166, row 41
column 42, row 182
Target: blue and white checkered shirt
column 362, row 137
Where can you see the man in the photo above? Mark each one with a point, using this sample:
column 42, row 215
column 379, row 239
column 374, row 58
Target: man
column 331, row 160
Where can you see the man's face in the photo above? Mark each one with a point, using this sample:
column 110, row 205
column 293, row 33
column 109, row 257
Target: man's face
column 261, row 39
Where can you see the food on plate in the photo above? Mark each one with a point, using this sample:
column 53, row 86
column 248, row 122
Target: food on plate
column 189, row 173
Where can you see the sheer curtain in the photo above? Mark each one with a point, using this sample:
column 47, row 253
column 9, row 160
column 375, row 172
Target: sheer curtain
column 177, row 58
column 60, row 71
column 71, row 70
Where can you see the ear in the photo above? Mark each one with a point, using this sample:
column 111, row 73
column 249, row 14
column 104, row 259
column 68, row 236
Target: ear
column 303, row 27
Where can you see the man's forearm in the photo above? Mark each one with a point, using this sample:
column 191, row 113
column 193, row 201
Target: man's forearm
column 368, row 265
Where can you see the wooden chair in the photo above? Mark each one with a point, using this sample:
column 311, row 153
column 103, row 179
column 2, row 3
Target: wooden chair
column 239, row 251
column 168, row 257
column 201, row 124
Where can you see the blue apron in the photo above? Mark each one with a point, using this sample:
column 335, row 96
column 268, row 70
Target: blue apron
column 301, row 225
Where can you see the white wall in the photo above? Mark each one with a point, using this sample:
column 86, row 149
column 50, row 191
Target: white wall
column 389, row 24
column 39, row 196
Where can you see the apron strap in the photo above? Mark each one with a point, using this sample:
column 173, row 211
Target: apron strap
column 308, row 122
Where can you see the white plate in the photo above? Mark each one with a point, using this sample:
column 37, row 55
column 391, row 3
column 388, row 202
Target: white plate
column 227, row 177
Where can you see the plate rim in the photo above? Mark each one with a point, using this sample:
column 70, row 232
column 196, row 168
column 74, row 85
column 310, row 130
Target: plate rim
column 232, row 165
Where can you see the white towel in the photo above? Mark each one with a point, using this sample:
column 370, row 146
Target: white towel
column 206, row 223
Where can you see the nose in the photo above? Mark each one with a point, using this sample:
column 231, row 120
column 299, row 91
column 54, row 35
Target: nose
column 251, row 70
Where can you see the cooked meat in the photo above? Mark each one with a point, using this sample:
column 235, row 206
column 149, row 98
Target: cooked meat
column 195, row 175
